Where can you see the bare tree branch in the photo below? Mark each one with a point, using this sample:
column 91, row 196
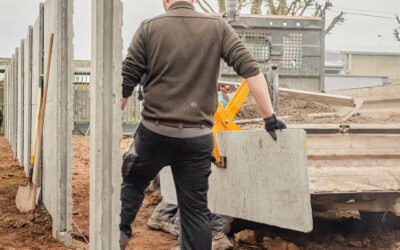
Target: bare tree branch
column 282, row 7
column 271, row 7
column 222, row 6
column 292, row 7
column 202, row 6
column 209, row 6
column 307, row 4
column 396, row 31
column 339, row 19
column 317, row 11
column 256, row 7
column 298, row 9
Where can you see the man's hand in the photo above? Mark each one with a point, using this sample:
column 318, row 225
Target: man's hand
column 273, row 123
column 123, row 103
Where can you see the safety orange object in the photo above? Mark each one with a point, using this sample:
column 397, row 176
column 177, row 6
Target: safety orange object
column 224, row 119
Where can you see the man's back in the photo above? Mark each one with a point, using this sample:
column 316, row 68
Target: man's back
column 180, row 51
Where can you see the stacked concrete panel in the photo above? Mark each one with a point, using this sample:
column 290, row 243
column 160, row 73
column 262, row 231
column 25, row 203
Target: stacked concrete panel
column 20, row 125
column 27, row 131
column 105, row 125
column 58, row 123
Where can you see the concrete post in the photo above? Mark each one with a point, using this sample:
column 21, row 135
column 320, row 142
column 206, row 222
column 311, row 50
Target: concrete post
column 37, row 60
column 15, row 102
column 20, row 125
column 58, row 122
column 105, row 124
column 27, row 101
column 5, row 100
column 5, row 104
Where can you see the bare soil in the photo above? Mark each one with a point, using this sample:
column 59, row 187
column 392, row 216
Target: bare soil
column 18, row 233
column 144, row 238
column 296, row 112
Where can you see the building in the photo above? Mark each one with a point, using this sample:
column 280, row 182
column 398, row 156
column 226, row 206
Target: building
column 374, row 62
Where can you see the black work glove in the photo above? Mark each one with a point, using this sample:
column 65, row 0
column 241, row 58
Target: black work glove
column 273, row 123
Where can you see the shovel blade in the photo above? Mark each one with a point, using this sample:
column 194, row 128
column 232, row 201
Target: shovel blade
column 25, row 197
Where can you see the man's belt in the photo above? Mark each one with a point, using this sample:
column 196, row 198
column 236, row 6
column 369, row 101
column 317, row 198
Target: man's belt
column 178, row 124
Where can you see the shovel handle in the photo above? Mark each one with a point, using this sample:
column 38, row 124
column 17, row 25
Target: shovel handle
column 35, row 178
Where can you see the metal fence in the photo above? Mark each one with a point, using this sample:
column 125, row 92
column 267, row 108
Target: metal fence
column 82, row 80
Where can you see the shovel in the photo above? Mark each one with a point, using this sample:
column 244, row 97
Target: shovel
column 28, row 196
column 24, row 194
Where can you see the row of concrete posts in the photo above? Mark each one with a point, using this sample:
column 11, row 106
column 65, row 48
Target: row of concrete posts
column 21, row 101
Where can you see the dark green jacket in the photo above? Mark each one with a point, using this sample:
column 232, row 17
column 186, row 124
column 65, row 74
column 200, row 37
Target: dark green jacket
column 180, row 51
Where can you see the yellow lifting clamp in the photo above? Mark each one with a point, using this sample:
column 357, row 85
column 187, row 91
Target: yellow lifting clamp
column 224, row 119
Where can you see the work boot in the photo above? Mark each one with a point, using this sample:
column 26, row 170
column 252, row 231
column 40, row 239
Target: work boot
column 176, row 247
column 165, row 226
column 123, row 240
column 170, row 228
column 154, row 223
column 221, row 242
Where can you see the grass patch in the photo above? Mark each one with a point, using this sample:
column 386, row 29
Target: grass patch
column 10, row 184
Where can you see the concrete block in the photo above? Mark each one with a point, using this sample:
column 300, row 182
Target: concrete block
column 27, row 101
column 20, row 125
column 105, row 125
column 58, row 124
column 265, row 181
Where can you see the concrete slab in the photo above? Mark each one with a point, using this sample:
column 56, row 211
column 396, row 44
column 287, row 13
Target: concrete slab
column 58, row 122
column 105, row 125
column 265, row 181
column 27, row 101
column 20, row 125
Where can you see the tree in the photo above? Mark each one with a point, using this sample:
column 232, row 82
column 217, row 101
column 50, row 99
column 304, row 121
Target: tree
column 282, row 7
column 299, row 8
column 396, row 31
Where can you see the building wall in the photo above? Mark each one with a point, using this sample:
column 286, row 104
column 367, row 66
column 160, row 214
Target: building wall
column 375, row 65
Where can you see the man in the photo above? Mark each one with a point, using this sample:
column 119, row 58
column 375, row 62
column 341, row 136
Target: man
column 223, row 94
column 180, row 52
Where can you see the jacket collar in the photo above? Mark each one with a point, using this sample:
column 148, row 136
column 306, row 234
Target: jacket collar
column 181, row 5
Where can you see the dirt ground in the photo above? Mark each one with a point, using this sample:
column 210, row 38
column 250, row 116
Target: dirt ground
column 144, row 238
column 295, row 112
column 18, row 233
column 373, row 231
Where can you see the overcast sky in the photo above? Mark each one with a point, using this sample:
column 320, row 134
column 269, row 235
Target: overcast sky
column 358, row 30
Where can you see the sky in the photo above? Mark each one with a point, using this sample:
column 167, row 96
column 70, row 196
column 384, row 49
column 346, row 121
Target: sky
column 358, row 30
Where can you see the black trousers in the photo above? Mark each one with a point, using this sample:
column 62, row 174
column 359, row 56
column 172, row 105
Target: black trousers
column 190, row 161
